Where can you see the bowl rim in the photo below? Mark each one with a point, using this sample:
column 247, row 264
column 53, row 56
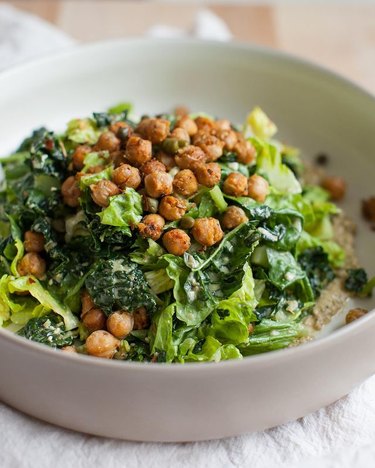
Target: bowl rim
column 259, row 360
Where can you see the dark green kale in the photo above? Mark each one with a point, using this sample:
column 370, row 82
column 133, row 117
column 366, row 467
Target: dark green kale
column 118, row 283
column 356, row 280
column 120, row 114
column 47, row 154
column 315, row 263
column 49, row 330
column 33, row 179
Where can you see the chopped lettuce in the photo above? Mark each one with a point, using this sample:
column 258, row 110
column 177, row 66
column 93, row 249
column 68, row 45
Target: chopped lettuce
column 95, row 159
column 124, row 211
column 212, row 350
column 230, row 321
column 269, row 164
column 270, row 335
column 260, row 124
column 82, row 131
column 90, row 179
column 34, row 287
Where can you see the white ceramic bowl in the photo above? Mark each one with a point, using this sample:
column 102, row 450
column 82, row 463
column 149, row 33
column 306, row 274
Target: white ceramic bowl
column 315, row 110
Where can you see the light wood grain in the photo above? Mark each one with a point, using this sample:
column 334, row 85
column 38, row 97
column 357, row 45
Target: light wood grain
column 341, row 37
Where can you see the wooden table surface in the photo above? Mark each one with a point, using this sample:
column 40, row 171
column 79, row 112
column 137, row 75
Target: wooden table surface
column 341, row 37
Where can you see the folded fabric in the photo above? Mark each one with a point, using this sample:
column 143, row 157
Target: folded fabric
column 24, row 36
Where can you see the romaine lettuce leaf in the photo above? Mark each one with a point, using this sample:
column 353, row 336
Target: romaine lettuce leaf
column 17, row 309
column 212, row 350
column 82, row 131
column 95, row 159
column 269, row 164
column 162, row 339
column 124, row 211
column 231, row 319
column 260, row 124
column 270, row 335
column 33, row 286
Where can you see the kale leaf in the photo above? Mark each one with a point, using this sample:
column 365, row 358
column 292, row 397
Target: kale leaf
column 49, row 330
column 119, row 283
column 315, row 263
column 47, row 154
column 356, row 280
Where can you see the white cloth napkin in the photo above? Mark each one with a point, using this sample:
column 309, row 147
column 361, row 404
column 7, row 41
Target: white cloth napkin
column 341, row 435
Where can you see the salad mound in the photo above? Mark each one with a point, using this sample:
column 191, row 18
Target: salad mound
column 175, row 238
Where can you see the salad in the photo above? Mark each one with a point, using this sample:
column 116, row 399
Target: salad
column 175, row 238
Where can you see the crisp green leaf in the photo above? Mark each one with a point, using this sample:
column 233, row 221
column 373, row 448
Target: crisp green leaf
column 124, row 211
column 33, row 286
column 269, row 164
column 82, row 131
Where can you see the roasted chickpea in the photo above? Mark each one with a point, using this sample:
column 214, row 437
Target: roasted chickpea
column 258, row 188
column 209, row 174
column 102, row 344
column 172, row 208
column 120, row 324
column 94, row 169
column 209, row 144
column 189, row 157
column 205, row 124
column 158, row 184
column 233, row 217
column 141, row 319
column 181, row 134
column 152, row 166
column 235, row 184
column 138, row 151
column 79, row 155
column 185, row 183
column 108, row 142
column 187, row 124
column 102, row 191
column 368, row 209
column 70, row 192
column 181, row 111
column 166, row 159
column 355, row 314
column 155, row 130
column 117, row 126
column 86, row 303
column 69, row 349
column 207, row 231
column 151, row 226
column 32, row 264
column 126, row 176
column 245, row 151
column 176, row 241
column 94, row 319
column 228, row 137
column 335, row 186
column 33, row 241
column 223, row 124
column 119, row 157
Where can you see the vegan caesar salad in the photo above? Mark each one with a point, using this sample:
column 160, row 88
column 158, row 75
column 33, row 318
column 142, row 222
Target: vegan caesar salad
column 175, row 238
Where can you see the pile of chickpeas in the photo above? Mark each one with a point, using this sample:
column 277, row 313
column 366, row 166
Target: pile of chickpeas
column 167, row 167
